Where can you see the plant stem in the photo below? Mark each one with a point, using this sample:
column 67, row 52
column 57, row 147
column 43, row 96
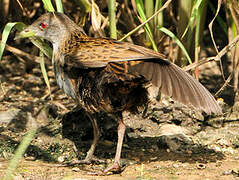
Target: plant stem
column 112, row 19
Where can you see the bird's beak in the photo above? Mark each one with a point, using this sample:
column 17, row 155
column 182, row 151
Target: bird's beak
column 25, row 34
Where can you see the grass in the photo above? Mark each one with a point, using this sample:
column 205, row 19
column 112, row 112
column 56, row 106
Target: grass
column 19, row 154
column 192, row 31
column 112, row 18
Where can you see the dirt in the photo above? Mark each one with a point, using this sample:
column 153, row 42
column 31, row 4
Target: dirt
column 64, row 134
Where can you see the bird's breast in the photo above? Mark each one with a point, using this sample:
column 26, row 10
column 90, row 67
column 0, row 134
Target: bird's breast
column 63, row 80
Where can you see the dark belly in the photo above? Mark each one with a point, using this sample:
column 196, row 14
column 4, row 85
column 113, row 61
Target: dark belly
column 99, row 90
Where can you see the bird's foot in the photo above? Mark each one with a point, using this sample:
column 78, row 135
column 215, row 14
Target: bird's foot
column 113, row 169
column 89, row 161
column 83, row 161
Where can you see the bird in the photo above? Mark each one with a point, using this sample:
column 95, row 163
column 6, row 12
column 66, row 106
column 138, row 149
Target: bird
column 103, row 74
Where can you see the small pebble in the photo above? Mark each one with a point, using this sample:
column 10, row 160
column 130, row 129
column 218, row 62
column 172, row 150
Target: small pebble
column 108, row 161
column 30, row 158
column 201, row 166
column 230, row 150
column 125, row 145
column 228, row 172
column 218, row 149
column 75, row 169
column 18, row 177
column 235, row 172
column 155, row 147
column 153, row 158
column 132, row 162
column 157, row 166
column 236, row 158
column 108, row 143
column 223, row 142
column 61, row 159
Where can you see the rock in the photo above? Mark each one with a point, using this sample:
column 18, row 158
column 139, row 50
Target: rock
column 175, row 165
column 174, row 137
column 153, row 158
column 201, row 166
column 31, row 123
column 75, row 169
column 227, row 172
column 171, row 129
column 223, row 142
column 18, row 177
column 61, row 159
column 154, row 147
column 30, row 158
column 217, row 149
column 7, row 116
column 235, row 172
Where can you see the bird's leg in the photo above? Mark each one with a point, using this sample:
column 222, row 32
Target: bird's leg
column 89, row 157
column 90, row 154
column 116, row 166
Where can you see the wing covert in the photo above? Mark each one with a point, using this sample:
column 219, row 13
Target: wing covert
column 128, row 59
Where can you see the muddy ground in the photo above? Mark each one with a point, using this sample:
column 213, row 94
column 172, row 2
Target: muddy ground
column 169, row 141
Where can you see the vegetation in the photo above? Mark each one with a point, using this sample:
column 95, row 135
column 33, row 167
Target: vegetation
column 184, row 30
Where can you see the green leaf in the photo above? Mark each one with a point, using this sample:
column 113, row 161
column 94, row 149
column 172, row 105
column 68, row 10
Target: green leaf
column 170, row 34
column 59, row 6
column 193, row 16
column 48, row 5
column 140, row 9
column 6, row 32
column 112, row 19
column 43, row 70
column 19, row 153
column 44, row 47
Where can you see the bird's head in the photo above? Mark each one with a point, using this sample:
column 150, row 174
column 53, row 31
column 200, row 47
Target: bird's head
column 52, row 26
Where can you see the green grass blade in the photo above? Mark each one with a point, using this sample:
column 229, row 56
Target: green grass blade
column 149, row 11
column 158, row 20
column 140, row 9
column 193, row 16
column 112, row 19
column 199, row 18
column 44, row 47
column 19, row 153
column 48, row 5
column 149, row 19
column 6, row 32
column 43, row 70
column 170, row 34
column 59, row 6
column 85, row 5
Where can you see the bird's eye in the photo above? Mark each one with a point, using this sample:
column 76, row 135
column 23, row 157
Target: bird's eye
column 43, row 25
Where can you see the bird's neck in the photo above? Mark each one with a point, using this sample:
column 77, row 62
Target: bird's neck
column 66, row 44
column 67, row 41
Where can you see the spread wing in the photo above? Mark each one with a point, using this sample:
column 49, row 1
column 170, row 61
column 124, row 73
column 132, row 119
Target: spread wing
column 132, row 59
column 98, row 52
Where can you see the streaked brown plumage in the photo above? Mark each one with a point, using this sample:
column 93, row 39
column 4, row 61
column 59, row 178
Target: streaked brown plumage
column 107, row 75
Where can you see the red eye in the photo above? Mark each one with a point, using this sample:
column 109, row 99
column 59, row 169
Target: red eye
column 43, row 25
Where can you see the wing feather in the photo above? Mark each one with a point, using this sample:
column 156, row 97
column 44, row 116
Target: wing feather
column 171, row 79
